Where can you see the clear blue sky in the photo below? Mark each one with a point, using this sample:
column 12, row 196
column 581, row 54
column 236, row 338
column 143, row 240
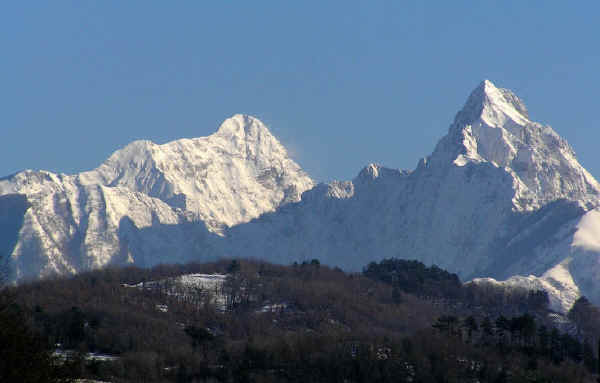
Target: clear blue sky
column 341, row 83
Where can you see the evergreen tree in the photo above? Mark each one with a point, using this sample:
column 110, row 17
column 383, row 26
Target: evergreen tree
column 470, row 324
column 502, row 325
column 487, row 329
column 556, row 346
column 588, row 356
column 598, row 368
column 233, row 267
column 24, row 357
column 446, row 324
column 543, row 340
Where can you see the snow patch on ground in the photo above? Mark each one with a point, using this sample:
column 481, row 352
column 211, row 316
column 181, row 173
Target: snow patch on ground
column 90, row 356
column 205, row 281
column 207, row 287
column 273, row 308
column 556, row 282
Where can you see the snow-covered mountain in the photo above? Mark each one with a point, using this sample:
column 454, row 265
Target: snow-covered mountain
column 500, row 197
column 147, row 203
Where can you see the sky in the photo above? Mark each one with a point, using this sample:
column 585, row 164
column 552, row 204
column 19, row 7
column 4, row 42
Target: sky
column 340, row 83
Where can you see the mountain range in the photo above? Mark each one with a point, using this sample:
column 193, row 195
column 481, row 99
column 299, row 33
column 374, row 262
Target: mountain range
column 501, row 200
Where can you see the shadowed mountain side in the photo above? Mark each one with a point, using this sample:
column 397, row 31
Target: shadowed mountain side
column 585, row 269
column 446, row 217
column 164, row 243
column 12, row 215
column 530, row 231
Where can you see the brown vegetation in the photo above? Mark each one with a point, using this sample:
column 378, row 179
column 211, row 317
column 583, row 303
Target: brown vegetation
column 305, row 322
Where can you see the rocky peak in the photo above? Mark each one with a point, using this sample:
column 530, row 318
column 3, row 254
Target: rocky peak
column 242, row 125
column 229, row 177
column 493, row 127
column 375, row 173
column 369, row 172
column 494, row 105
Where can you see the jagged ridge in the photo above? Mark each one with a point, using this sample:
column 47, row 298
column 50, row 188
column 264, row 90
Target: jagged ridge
column 152, row 203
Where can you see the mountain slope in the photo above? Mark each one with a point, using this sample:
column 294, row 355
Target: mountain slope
column 227, row 178
column 150, row 203
column 499, row 196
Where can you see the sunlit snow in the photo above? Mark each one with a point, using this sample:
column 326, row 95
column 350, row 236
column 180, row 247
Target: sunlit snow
column 500, row 195
column 587, row 235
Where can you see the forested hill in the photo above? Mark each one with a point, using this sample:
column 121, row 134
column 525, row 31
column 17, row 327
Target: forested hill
column 246, row 321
